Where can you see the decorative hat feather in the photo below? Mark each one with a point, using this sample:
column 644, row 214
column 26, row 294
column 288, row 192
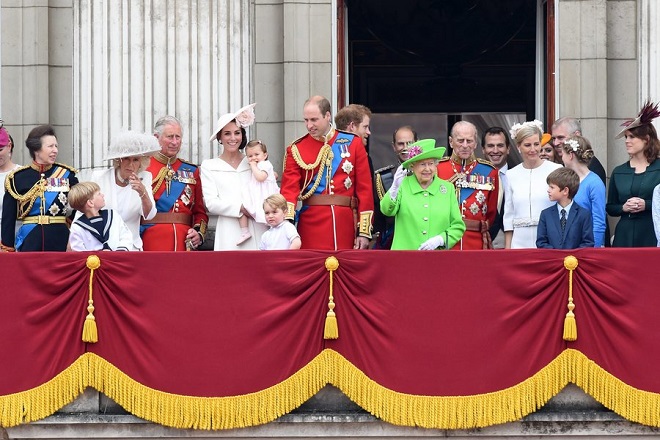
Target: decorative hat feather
column 645, row 116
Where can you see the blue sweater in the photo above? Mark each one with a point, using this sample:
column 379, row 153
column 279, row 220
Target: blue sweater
column 591, row 195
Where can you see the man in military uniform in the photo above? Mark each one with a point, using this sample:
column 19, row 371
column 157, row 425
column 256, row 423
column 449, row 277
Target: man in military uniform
column 181, row 221
column 326, row 175
column 477, row 185
column 383, row 177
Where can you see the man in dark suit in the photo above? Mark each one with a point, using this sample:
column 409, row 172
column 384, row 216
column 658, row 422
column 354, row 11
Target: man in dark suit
column 565, row 225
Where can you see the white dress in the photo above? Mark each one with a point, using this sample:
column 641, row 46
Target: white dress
column 258, row 191
column 526, row 195
column 125, row 201
column 223, row 195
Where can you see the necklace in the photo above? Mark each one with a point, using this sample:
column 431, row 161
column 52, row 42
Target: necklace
column 120, row 179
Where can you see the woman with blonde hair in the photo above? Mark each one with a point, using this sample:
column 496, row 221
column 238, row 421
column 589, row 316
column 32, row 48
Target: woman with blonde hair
column 525, row 187
column 127, row 185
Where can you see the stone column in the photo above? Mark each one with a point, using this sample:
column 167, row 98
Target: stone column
column 135, row 61
column 36, row 71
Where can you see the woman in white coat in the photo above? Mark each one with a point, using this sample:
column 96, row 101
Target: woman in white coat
column 224, row 180
column 127, row 186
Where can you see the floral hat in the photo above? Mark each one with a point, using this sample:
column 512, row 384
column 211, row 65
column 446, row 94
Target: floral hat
column 4, row 136
column 132, row 143
column 244, row 118
column 646, row 115
column 517, row 126
column 421, row 150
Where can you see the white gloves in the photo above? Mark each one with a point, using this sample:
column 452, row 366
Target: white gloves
column 396, row 182
column 432, row 243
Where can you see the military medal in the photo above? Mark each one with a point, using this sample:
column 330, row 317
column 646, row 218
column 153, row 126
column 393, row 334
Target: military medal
column 347, row 166
column 348, row 182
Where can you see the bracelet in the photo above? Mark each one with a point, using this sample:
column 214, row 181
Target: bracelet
column 143, row 195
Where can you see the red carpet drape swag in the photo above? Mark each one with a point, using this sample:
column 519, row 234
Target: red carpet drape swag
column 220, row 340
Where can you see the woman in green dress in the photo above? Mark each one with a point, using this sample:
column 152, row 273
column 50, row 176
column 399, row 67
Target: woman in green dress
column 631, row 184
column 424, row 207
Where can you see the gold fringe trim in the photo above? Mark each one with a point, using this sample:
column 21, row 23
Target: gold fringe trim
column 42, row 401
column 438, row 412
column 570, row 325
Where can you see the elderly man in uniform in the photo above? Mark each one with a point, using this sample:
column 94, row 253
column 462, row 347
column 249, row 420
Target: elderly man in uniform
column 477, row 186
column 181, row 221
column 326, row 173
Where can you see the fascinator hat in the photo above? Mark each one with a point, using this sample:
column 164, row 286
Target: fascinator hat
column 244, row 118
column 132, row 143
column 4, row 136
column 646, row 115
column 421, row 150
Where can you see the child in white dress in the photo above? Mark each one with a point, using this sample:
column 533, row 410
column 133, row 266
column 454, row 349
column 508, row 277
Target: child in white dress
column 97, row 229
column 261, row 185
column 282, row 234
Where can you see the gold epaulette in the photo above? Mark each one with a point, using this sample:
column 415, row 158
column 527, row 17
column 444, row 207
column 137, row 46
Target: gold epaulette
column 68, row 167
column 485, row 162
column 188, row 162
column 10, row 176
column 387, row 168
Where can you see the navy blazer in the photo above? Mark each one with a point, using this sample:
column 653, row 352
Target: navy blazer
column 579, row 231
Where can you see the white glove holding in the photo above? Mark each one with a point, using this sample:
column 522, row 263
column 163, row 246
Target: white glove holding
column 432, row 243
column 401, row 172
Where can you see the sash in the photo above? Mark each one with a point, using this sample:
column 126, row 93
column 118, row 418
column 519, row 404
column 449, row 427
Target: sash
column 478, row 180
column 99, row 226
column 341, row 144
column 165, row 202
column 59, row 173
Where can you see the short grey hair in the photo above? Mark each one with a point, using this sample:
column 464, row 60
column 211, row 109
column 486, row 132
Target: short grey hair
column 573, row 124
column 166, row 120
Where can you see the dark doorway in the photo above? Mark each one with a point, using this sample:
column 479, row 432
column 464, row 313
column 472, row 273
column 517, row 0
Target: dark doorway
column 442, row 56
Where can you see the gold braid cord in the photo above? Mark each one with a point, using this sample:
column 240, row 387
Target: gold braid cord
column 323, row 161
column 570, row 325
column 160, row 178
column 380, row 189
column 26, row 201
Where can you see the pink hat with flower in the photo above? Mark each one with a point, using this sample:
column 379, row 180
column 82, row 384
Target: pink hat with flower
column 4, row 136
column 244, row 118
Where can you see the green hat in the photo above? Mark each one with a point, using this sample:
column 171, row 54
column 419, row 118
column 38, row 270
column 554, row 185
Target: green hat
column 423, row 149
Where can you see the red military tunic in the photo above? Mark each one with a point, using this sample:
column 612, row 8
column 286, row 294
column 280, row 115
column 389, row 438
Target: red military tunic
column 333, row 181
column 477, row 184
column 179, row 209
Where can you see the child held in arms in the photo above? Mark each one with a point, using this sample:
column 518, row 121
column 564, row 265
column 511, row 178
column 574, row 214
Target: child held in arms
column 98, row 228
column 564, row 225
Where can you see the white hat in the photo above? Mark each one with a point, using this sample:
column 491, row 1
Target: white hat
column 132, row 143
column 244, row 118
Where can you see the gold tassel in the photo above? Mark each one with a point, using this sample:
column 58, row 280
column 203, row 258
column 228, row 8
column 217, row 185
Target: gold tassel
column 570, row 325
column 90, row 332
column 331, row 330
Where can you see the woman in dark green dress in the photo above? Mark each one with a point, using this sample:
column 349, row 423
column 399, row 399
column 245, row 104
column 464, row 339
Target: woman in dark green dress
column 632, row 183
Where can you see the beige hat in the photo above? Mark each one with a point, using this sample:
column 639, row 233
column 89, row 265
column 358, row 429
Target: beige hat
column 132, row 143
column 645, row 116
column 244, row 118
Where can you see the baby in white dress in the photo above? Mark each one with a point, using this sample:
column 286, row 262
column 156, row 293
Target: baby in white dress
column 262, row 184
